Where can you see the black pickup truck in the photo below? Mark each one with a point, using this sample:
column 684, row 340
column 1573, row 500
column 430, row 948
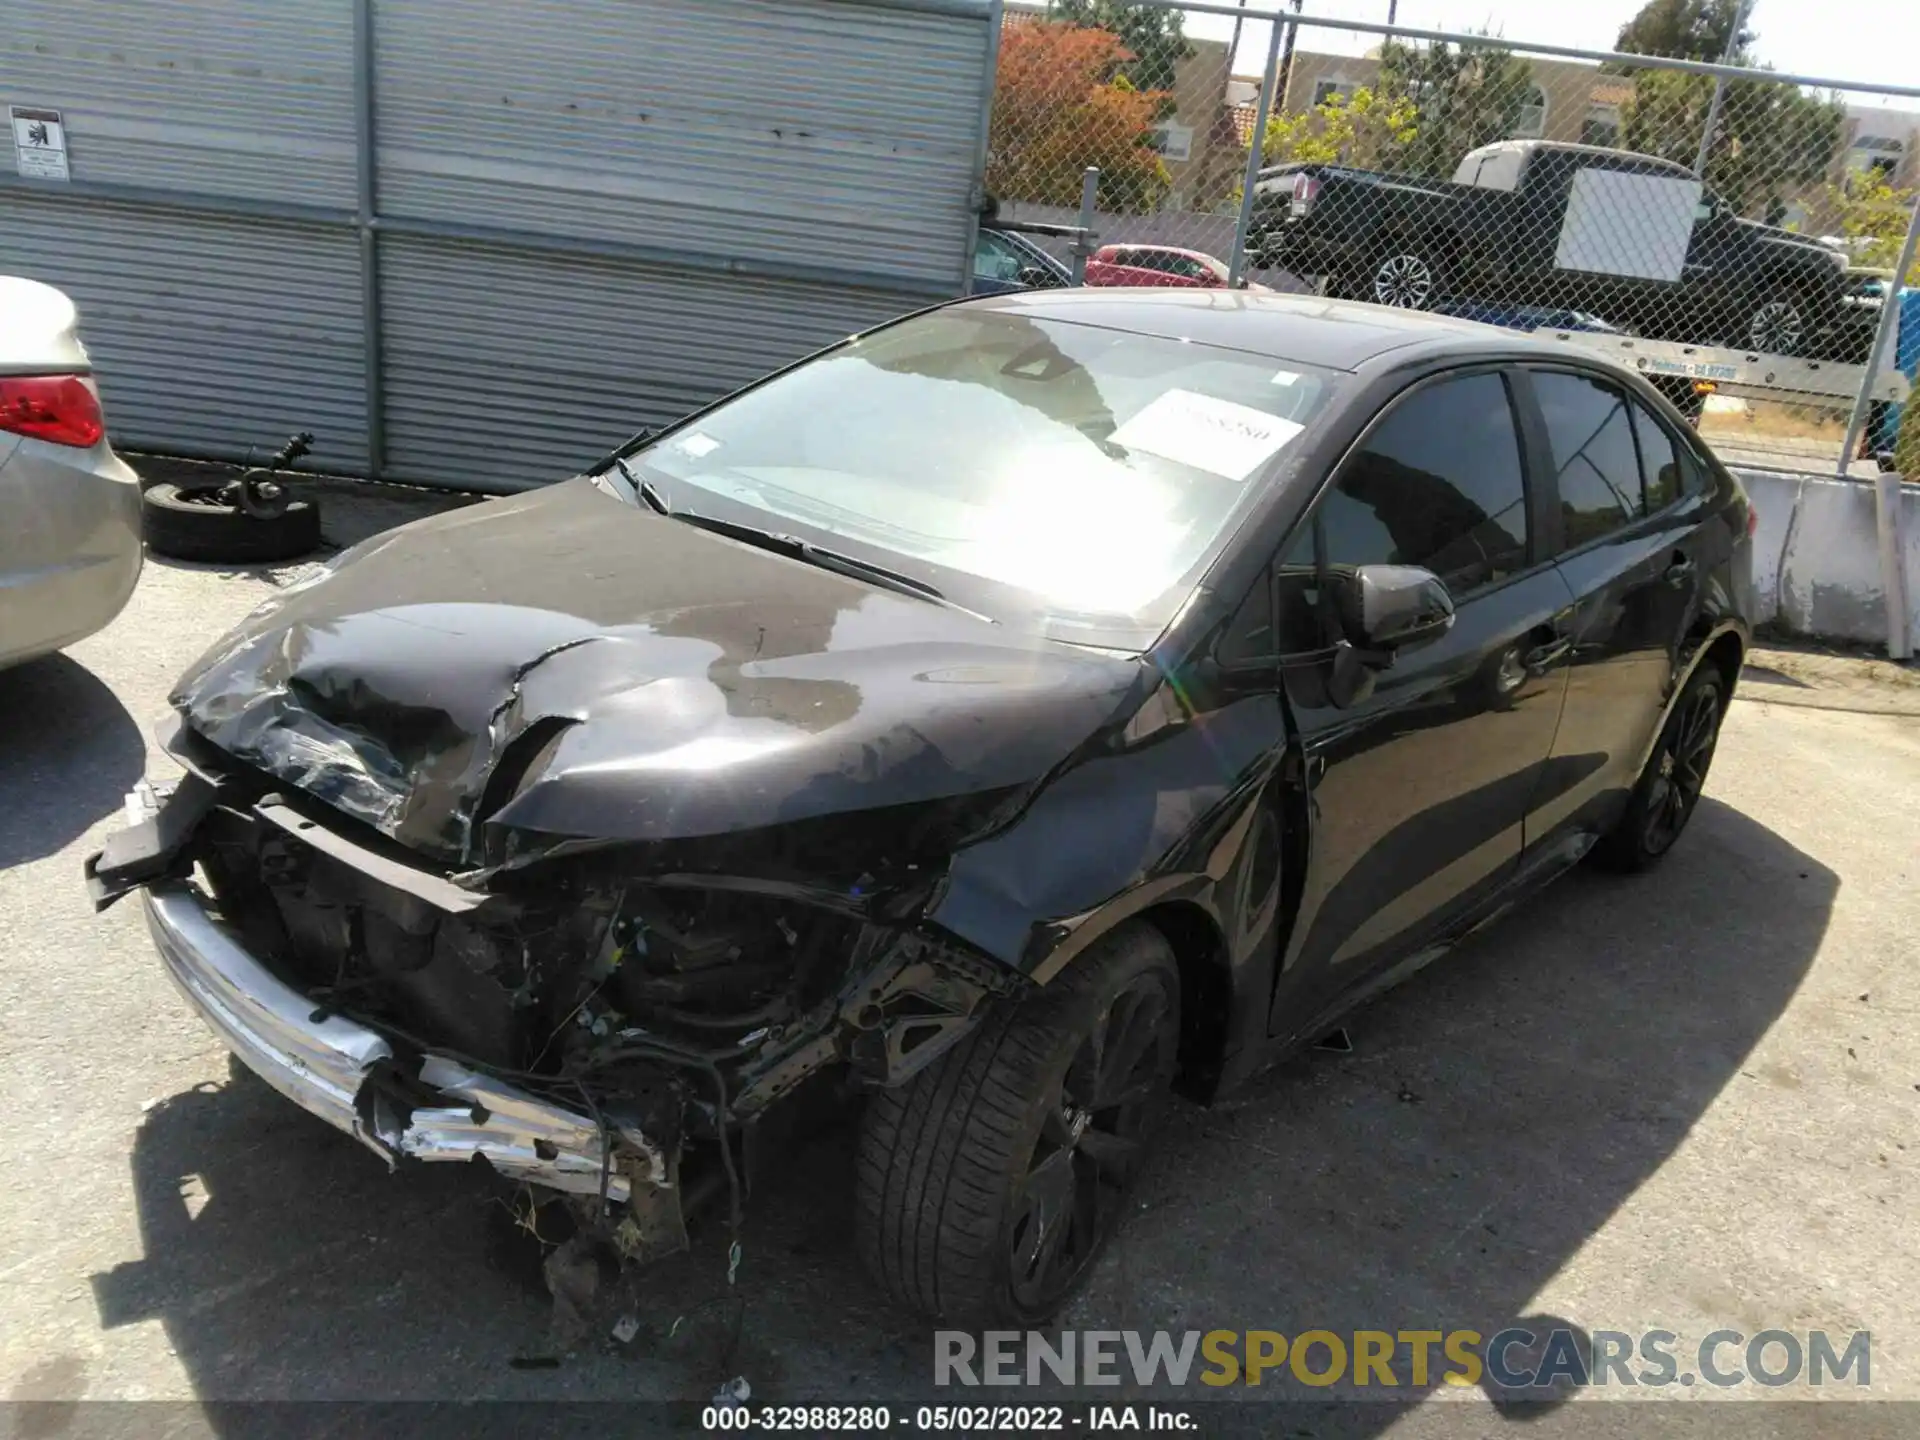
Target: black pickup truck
column 1628, row 237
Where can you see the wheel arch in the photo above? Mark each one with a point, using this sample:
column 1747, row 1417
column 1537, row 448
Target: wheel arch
column 1206, row 989
column 1725, row 648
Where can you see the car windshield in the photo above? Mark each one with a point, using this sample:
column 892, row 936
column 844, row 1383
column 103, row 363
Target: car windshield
column 1094, row 470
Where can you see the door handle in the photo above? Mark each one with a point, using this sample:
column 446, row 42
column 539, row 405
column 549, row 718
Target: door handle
column 1680, row 572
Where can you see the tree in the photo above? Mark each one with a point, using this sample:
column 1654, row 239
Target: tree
column 1061, row 103
column 1685, row 30
column 1465, row 97
column 1874, row 215
column 1155, row 37
column 1365, row 129
column 1906, row 445
column 1771, row 139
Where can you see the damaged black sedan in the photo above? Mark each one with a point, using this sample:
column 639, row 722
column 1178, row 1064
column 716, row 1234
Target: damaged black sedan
column 1010, row 716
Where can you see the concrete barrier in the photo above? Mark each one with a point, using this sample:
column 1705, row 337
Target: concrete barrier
column 1816, row 560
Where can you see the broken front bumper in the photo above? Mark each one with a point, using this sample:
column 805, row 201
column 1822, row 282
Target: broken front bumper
column 333, row 1067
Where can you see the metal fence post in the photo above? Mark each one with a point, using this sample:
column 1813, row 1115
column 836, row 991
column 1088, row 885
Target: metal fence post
column 1879, row 354
column 1888, row 515
column 366, row 215
column 1083, row 243
column 1269, row 82
column 989, row 80
column 1720, row 88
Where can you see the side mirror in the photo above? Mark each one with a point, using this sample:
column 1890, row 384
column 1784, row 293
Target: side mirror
column 1037, row 277
column 1388, row 608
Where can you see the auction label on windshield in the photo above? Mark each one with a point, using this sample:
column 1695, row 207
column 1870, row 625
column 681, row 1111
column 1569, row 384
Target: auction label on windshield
column 1213, row 435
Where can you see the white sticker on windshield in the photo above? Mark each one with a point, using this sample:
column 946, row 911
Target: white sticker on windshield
column 697, row 445
column 1285, row 377
column 1208, row 434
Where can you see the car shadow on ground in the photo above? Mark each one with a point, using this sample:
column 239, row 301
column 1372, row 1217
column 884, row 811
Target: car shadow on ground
column 69, row 753
column 1496, row 1110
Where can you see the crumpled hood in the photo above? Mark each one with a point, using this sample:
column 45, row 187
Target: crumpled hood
column 669, row 683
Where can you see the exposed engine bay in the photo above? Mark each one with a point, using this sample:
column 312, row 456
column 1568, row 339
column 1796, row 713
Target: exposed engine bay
column 670, row 1012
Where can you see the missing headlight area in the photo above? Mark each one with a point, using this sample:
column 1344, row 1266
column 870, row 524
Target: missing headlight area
column 624, row 1041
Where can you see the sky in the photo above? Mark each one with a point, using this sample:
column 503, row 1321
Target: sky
column 1868, row 41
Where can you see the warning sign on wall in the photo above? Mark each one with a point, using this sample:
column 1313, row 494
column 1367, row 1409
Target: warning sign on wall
column 39, row 144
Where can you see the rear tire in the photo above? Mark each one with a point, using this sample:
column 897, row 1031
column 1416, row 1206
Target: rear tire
column 1407, row 276
column 195, row 525
column 1669, row 788
column 987, row 1186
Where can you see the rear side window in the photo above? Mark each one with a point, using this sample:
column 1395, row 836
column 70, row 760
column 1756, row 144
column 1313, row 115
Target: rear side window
column 1593, row 455
column 1438, row 483
column 1663, row 472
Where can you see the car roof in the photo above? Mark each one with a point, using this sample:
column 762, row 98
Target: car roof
column 1333, row 334
column 1602, row 152
column 1161, row 249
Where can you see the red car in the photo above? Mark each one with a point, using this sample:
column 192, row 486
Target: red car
column 1156, row 265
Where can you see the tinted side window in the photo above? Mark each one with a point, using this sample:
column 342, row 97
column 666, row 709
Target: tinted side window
column 1593, row 452
column 1662, row 471
column 1438, row 483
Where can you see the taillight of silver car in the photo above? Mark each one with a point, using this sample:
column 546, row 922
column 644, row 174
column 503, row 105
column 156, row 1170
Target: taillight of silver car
column 62, row 409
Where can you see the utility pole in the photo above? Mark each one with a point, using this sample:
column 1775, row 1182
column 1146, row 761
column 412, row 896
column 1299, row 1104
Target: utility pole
column 1286, row 64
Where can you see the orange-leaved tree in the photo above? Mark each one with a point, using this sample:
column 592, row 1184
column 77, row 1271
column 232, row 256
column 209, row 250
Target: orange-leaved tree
column 1060, row 104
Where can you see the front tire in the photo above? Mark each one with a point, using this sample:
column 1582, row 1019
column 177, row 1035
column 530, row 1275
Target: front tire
column 1779, row 322
column 1669, row 788
column 986, row 1188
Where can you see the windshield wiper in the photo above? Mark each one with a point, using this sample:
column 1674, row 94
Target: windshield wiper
column 625, row 448
column 643, row 489
column 826, row 559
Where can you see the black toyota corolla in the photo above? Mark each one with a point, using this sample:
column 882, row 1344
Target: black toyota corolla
column 1005, row 718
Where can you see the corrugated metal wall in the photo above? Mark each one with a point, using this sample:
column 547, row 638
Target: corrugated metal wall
column 211, row 334
column 475, row 245
column 211, row 331
column 502, row 364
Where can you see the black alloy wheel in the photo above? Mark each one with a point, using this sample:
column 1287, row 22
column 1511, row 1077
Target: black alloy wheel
column 1681, row 760
column 1090, row 1143
column 988, row 1185
column 1669, row 788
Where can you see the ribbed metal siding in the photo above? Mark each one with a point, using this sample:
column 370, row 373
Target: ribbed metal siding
column 800, row 131
column 507, row 369
column 221, row 97
column 206, row 334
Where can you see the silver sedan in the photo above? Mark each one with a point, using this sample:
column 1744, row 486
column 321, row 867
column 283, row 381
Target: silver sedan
column 69, row 506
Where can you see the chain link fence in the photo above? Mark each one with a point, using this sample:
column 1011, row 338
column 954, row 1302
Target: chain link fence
column 1749, row 221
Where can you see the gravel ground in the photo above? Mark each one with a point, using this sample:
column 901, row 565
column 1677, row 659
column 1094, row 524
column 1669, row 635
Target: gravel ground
column 1686, row 1100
